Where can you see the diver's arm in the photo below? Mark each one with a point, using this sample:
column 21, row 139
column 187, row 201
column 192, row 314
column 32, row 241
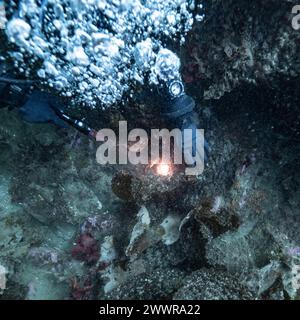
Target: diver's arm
column 76, row 123
column 15, row 93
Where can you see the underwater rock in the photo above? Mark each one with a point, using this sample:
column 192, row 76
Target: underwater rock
column 250, row 246
column 79, row 200
column 140, row 227
column 211, row 284
column 218, row 220
column 103, row 224
column 6, row 205
column 143, row 235
column 247, row 47
column 12, row 246
column 160, row 284
column 112, row 276
column 121, row 185
column 291, row 278
column 149, row 187
column 3, row 273
column 43, row 255
column 263, row 279
column 146, row 234
column 171, row 227
column 108, row 251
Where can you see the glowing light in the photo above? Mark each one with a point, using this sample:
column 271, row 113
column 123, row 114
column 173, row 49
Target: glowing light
column 164, row 169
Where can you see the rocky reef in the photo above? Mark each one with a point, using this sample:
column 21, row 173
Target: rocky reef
column 73, row 229
column 242, row 42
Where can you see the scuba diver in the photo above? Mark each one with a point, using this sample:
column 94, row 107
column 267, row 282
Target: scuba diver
column 90, row 55
column 35, row 106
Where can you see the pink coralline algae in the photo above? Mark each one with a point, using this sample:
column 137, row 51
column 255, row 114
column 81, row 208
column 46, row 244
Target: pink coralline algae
column 86, row 249
column 79, row 291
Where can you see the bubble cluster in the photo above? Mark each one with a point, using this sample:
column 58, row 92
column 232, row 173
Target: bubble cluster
column 93, row 50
